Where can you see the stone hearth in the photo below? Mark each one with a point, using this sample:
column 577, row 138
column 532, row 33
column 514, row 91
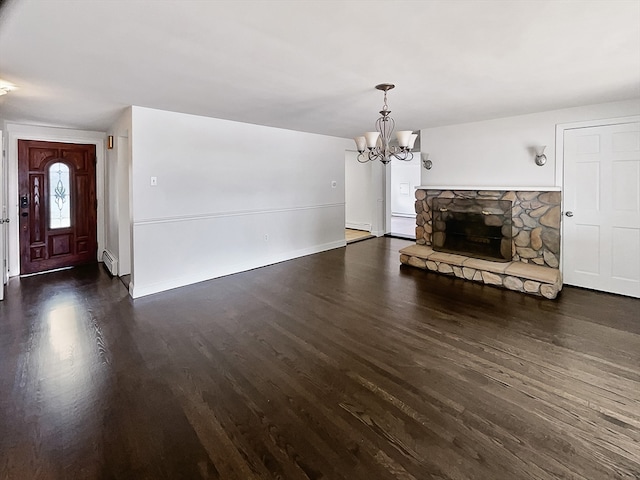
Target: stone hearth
column 521, row 277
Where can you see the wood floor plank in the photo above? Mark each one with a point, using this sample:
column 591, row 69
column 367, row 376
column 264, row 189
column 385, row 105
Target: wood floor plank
column 339, row 365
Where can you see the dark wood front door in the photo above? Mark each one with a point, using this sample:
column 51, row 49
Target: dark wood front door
column 57, row 205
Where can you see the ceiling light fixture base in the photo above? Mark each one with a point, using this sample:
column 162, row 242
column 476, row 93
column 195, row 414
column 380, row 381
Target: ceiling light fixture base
column 385, row 87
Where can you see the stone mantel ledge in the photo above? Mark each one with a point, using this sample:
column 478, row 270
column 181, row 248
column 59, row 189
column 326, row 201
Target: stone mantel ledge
column 490, row 188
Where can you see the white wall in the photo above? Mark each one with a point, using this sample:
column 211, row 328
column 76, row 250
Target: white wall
column 229, row 197
column 358, row 193
column 499, row 152
column 118, row 216
column 405, row 177
column 125, row 215
column 111, row 201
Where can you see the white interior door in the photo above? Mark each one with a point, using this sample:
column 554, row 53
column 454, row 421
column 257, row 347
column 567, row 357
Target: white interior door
column 601, row 226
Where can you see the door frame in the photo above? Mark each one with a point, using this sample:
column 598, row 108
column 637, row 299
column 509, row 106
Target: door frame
column 4, row 237
column 17, row 132
column 561, row 128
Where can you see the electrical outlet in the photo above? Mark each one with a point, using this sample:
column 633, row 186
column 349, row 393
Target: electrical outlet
column 154, row 181
column 334, row 183
column 266, row 237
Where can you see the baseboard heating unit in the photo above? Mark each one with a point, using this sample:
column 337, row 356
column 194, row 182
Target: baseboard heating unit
column 110, row 262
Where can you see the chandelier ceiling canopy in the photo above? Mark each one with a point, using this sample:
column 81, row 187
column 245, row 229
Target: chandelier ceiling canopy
column 377, row 145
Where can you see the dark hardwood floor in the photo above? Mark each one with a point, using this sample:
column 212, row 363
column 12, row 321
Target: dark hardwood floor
column 340, row 365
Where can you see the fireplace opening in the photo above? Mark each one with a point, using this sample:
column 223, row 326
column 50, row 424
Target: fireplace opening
column 473, row 227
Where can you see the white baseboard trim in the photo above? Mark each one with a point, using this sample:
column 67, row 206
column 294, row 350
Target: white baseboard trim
column 141, row 291
column 358, row 226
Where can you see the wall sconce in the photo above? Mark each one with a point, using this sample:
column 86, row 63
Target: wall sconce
column 6, row 87
column 110, row 142
column 541, row 158
column 426, row 163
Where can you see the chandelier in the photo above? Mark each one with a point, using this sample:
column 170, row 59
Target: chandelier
column 377, row 145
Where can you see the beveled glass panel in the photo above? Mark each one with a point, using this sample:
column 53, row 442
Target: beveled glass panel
column 59, row 196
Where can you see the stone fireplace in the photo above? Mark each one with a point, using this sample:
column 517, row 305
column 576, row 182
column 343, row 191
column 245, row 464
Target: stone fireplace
column 535, row 221
column 474, row 227
column 505, row 238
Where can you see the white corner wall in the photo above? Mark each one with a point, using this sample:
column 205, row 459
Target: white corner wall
column 229, row 197
column 358, row 193
column 499, row 153
column 111, row 201
column 118, row 216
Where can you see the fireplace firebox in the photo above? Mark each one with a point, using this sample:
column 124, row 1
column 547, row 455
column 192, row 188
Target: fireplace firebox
column 473, row 227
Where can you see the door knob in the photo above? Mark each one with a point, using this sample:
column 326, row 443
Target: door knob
column 569, row 214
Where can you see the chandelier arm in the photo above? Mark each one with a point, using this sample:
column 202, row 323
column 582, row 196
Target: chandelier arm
column 385, row 125
column 404, row 155
column 392, row 127
column 369, row 156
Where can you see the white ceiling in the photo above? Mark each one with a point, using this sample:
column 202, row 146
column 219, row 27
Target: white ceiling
column 312, row 65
